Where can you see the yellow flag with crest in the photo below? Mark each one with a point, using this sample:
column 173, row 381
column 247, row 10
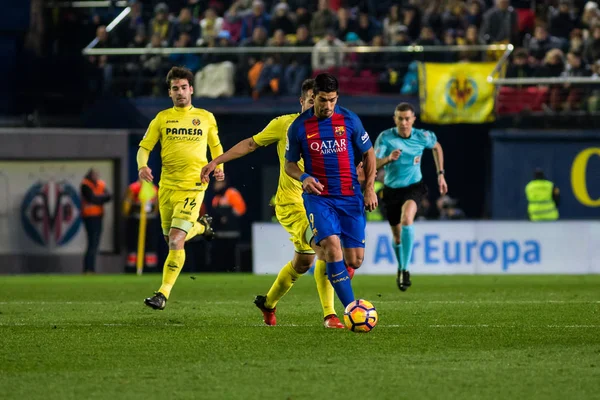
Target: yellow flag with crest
column 456, row 93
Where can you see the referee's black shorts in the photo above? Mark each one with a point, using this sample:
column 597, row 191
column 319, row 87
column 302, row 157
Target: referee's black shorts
column 394, row 199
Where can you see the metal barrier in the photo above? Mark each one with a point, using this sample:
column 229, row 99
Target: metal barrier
column 86, row 4
column 362, row 70
column 414, row 49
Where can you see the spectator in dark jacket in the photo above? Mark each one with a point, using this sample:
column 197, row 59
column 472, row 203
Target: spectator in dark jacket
column 520, row 68
column 500, row 24
column 257, row 18
column 411, row 18
column 345, row 23
column 563, row 20
column 367, row 28
column 299, row 68
column 542, row 42
column 574, row 68
column 591, row 50
column 322, row 20
column 553, row 67
column 282, row 20
column 185, row 24
column 475, row 13
column 160, row 24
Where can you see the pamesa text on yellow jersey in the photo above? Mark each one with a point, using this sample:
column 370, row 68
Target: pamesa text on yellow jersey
column 184, row 134
column 289, row 190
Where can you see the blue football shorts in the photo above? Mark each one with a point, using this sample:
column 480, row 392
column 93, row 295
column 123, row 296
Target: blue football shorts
column 337, row 215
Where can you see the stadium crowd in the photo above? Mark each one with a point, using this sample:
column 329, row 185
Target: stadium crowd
column 552, row 38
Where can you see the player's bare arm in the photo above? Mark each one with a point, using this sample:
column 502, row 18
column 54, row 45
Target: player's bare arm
column 242, row 148
column 309, row 184
column 360, row 174
column 370, row 169
column 438, row 157
column 394, row 155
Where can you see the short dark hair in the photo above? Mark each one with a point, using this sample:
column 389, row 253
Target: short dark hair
column 538, row 173
column 180, row 73
column 405, row 107
column 308, row 84
column 325, row 83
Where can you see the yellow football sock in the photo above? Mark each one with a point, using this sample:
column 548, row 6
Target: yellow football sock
column 171, row 269
column 196, row 229
column 285, row 279
column 326, row 293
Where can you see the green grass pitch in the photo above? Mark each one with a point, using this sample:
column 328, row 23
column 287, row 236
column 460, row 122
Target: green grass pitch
column 448, row 337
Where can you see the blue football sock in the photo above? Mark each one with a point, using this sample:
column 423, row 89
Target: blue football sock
column 340, row 280
column 398, row 253
column 407, row 240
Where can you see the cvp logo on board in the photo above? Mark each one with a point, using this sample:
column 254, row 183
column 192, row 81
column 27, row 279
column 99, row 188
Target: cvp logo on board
column 50, row 213
column 433, row 249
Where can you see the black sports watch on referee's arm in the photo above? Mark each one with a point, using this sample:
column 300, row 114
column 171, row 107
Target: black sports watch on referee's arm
column 441, row 172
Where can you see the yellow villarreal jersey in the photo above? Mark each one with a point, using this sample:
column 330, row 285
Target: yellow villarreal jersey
column 289, row 190
column 184, row 136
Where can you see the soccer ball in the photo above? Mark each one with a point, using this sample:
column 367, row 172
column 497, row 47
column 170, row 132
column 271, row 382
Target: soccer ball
column 360, row 316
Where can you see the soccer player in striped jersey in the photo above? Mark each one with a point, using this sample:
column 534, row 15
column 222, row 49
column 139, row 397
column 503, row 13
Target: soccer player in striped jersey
column 399, row 151
column 290, row 214
column 327, row 137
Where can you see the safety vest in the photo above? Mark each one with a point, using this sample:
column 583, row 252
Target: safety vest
column 541, row 206
column 89, row 209
column 376, row 215
column 233, row 199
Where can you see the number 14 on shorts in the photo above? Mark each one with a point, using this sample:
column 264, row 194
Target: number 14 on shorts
column 191, row 202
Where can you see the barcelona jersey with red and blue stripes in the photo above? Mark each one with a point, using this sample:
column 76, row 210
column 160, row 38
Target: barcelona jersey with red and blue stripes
column 328, row 147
